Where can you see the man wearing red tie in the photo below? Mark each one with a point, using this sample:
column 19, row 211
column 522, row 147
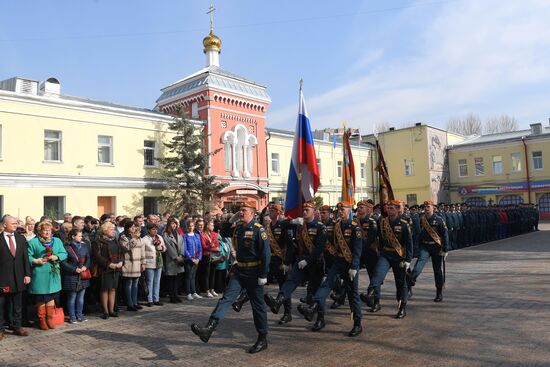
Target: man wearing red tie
column 14, row 274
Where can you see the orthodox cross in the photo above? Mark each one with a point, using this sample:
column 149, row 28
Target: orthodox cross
column 211, row 12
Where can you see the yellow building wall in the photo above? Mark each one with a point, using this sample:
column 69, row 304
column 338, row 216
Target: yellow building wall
column 505, row 150
column 26, row 178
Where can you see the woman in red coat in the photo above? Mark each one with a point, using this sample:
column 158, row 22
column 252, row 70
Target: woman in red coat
column 210, row 244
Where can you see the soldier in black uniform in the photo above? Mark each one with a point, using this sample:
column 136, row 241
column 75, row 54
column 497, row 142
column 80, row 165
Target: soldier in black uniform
column 338, row 295
column 251, row 243
column 345, row 265
column 433, row 243
column 276, row 229
column 305, row 254
column 396, row 250
column 369, row 228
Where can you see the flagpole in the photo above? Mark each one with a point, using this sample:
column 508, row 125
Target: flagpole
column 300, row 208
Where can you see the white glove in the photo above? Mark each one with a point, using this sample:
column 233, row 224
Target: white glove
column 352, row 273
column 298, row 220
column 302, row 264
column 444, row 255
column 407, row 266
column 286, row 269
column 262, row 281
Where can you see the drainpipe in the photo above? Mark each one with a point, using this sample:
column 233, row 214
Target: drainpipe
column 266, row 165
column 527, row 169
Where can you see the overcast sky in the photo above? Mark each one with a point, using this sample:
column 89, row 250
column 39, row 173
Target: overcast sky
column 364, row 62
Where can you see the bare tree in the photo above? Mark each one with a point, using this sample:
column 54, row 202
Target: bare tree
column 500, row 124
column 382, row 126
column 468, row 125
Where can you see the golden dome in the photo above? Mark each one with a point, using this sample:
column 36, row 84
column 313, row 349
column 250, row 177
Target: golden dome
column 212, row 42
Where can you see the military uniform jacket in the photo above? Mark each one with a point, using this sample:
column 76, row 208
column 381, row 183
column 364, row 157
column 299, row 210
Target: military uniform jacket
column 370, row 228
column 400, row 228
column 437, row 223
column 299, row 251
column 329, row 247
column 279, row 231
column 354, row 240
column 251, row 244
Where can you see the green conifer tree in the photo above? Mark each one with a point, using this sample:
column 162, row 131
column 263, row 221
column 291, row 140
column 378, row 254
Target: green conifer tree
column 190, row 189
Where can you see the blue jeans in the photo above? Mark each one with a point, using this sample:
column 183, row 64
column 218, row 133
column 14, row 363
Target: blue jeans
column 190, row 275
column 153, row 284
column 131, row 291
column 75, row 299
column 385, row 262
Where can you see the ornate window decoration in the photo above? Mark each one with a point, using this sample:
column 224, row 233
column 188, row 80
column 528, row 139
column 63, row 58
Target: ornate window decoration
column 238, row 145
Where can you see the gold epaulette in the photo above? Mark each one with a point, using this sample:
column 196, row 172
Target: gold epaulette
column 258, row 225
column 404, row 221
column 354, row 222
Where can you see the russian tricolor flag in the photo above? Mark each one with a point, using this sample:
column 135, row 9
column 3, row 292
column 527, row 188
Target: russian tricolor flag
column 303, row 161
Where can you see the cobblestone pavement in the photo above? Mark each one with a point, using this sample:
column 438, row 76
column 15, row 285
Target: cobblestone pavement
column 495, row 313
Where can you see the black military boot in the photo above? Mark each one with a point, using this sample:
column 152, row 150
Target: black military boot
column 320, row 323
column 439, row 295
column 205, row 332
column 308, row 312
column 240, row 301
column 357, row 328
column 410, row 283
column 274, row 303
column 402, row 311
column 261, row 344
column 287, row 317
column 368, row 298
column 339, row 301
column 376, row 306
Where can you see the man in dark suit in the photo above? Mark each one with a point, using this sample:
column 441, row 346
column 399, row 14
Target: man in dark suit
column 15, row 274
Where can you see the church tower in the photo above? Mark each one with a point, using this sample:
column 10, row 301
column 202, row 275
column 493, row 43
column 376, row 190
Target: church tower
column 232, row 110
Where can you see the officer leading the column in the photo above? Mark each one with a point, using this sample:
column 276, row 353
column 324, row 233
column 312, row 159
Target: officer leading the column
column 252, row 247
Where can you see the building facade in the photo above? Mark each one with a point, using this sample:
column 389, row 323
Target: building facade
column 507, row 168
column 60, row 153
column 417, row 162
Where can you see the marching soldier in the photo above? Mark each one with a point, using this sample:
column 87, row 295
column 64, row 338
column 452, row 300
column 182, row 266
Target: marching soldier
column 369, row 228
column 251, row 243
column 338, row 295
column 433, row 243
column 346, row 261
column 311, row 238
column 276, row 229
column 396, row 252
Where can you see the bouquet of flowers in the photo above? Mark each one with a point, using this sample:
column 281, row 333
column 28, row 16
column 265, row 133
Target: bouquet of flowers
column 53, row 264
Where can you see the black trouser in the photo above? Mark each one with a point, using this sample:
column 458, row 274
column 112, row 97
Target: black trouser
column 369, row 257
column 172, row 284
column 14, row 301
column 207, row 274
column 220, row 280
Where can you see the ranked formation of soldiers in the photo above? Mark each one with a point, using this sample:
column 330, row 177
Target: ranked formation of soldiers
column 327, row 252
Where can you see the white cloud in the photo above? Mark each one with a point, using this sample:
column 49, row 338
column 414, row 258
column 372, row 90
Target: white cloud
column 474, row 56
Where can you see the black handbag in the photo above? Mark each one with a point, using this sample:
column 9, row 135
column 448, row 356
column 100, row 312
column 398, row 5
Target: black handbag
column 216, row 257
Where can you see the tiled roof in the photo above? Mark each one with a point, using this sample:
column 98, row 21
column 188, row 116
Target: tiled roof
column 216, row 77
column 500, row 137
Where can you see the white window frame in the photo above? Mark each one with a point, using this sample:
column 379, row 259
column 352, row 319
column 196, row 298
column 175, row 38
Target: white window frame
column 145, row 149
column 339, row 170
column 539, row 158
column 513, row 160
column 363, row 170
column 275, row 163
column 408, row 167
column 462, row 163
column 59, row 141
column 319, row 166
column 482, row 166
column 100, row 145
column 496, row 164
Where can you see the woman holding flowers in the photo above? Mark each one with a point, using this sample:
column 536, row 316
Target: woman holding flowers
column 45, row 253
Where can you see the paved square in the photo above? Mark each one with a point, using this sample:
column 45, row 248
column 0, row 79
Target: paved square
column 496, row 312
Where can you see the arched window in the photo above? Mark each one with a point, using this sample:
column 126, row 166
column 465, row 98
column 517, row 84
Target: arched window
column 476, row 201
column 510, row 200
